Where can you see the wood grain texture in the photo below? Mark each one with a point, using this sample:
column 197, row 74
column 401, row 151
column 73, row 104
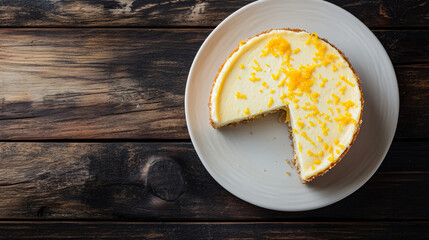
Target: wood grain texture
column 138, row 13
column 209, row 230
column 130, row 83
column 413, row 83
column 111, row 181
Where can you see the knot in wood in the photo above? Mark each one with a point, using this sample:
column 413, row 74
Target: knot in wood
column 164, row 178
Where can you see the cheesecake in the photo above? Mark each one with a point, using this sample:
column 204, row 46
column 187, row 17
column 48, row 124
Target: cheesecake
column 305, row 78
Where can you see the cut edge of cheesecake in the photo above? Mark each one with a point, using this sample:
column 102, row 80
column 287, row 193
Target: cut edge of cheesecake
column 294, row 161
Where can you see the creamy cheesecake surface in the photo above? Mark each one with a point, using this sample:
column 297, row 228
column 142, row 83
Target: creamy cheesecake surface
column 303, row 75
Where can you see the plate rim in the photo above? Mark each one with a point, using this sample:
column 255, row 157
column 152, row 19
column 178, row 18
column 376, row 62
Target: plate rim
column 218, row 178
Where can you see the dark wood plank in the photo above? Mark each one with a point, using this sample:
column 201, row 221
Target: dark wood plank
column 413, row 83
column 210, row 230
column 29, row 13
column 130, row 83
column 405, row 46
column 166, row 181
column 101, row 83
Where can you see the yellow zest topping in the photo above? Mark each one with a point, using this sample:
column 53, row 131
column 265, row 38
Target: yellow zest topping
column 296, row 94
column 304, row 134
column 314, row 113
column 320, row 139
column 277, row 46
column 338, row 84
column 317, row 162
column 347, row 81
column 336, row 141
column 315, row 154
column 265, row 84
column 341, row 146
column 238, row 77
column 338, row 110
column 301, row 79
column 241, row 66
column 331, row 159
column 342, row 90
column 348, row 105
column 330, row 150
column 311, row 153
column 307, row 103
column 299, row 118
column 296, row 106
column 294, row 131
column 324, row 80
column 325, row 129
column 268, row 65
column 313, row 167
column 300, row 124
column 300, row 147
column 325, row 146
column 296, row 50
column 283, row 96
column 260, row 90
column 242, row 96
column 257, row 68
column 336, row 98
column 295, row 100
column 334, row 68
column 270, row 102
column 282, row 83
column 320, row 76
column 332, row 111
column 314, row 97
column 246, row 111
column 253, row 78
column 276, row 76
column 344, row 120
column 337, row 151
column 312, row 123
column 321, row 48
column 272, row 91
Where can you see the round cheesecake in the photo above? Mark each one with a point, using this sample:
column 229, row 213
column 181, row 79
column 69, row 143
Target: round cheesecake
column 302, row 75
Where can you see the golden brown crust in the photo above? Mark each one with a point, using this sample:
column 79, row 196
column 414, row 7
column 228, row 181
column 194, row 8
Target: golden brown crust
column 294, row 160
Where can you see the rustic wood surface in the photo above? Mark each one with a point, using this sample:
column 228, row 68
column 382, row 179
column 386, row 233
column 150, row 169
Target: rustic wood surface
column 213, row 230
column 197, row 13
column 124, row 181
column 130, row 83
column 93, row 127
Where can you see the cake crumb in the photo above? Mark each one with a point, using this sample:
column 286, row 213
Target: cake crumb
column 250, row 132
column 265, row 170
column 288, row 173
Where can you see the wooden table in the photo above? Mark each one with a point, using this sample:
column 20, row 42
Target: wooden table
column 93, row 139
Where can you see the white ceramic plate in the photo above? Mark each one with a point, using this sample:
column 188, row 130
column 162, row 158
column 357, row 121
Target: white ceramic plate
column 253, row 167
